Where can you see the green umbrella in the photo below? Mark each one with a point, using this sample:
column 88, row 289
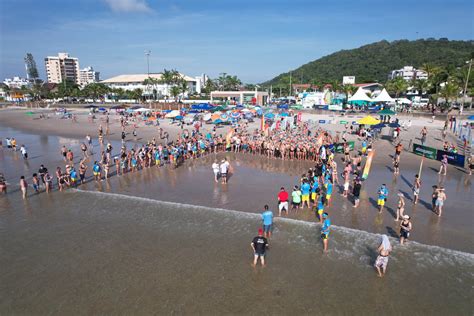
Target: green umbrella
column 218, row 108
column 386, row 112
column 29, row 113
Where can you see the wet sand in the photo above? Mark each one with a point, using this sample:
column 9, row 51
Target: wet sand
column 116, row 247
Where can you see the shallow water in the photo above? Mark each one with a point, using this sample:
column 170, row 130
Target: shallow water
column 125, row 250
column 90, row 252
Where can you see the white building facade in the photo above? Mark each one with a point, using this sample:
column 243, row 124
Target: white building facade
column 136, row 81
column 408, row 73
column 16, row 82
column 88, row 75
column 62, row 67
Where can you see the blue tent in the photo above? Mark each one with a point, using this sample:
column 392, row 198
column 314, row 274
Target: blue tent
column 283, row 106
column 284, row 114
column 179, row 117
column 269, row 116
column 470, row 117
column 201, row 106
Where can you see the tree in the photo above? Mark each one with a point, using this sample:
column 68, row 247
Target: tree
column 136, row 94
column 397, row 86
column 422, row 86
column 67, row 88
column 95, row 90
column 174, row 91
column 183, row 87
column 348, row 89
column 450, row 92
column 209, row 87
column 31, row 69
column 228, row 83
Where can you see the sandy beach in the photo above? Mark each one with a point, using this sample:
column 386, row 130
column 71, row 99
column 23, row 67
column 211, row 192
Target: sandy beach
column 186, row 234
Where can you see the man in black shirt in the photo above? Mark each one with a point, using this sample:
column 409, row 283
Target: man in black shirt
column 42, row 172
column 259, row 245
column 356, row 191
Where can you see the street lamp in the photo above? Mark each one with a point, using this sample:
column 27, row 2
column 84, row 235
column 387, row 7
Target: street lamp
column 465, row 85
column 147, row 54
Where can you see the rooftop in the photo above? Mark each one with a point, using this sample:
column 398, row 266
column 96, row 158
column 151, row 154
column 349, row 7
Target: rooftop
column 138, row 78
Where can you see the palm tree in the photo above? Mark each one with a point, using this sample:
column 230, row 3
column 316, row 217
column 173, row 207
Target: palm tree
column 397, row 86
column 174, row 91
column 422, row 86
column 450, row 92
column 136, row 94
column 348, row 89
column 430, row 69
column 183, row 87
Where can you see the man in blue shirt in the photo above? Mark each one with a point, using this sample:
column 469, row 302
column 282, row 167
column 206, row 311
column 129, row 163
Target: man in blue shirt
column 267, row 218
column 382, row 197
column 325, row 231
column 305, row 188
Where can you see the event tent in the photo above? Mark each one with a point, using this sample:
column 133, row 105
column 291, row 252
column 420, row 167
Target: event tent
column 383, row 97
column 172, row 114
column 360, row 95
column 368, row 120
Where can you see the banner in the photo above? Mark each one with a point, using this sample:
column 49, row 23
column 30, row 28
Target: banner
column 322, row 121
column 340, row 146
column 426, row 151
column 335, row 107
column 343, row 122
column 453, row 159
column 368, row 163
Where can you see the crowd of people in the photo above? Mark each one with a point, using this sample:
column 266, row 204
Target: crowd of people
column 287, row 142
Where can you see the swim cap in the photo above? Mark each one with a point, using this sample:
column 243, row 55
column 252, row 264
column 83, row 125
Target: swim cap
column 260, row 231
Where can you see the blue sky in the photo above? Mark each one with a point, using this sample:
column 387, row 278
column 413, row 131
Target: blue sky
column 253, row 39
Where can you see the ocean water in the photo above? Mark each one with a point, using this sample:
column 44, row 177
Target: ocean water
column 172, row 241
column 85, row 252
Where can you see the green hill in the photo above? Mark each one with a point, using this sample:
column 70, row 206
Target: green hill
column 373, row 62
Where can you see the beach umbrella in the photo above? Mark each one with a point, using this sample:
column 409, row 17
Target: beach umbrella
column 215, row 116
column 283, row 106
column 245, row 110
column 269, row 116
column 394, row 125
column 235, row 115
column 368, row 120
column 102, row 110
column 90, row 106
column 224, row 117
column 218, row 121
column 179, row 117
column 218, row 108
column 207, row 117
column 386, row 112
column 470, row 118
column 284, row 114
column 380, row 125
column 172, row 114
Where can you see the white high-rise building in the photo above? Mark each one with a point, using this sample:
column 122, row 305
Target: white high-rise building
column 88, row 75
column 62, row 67
column 408, row 73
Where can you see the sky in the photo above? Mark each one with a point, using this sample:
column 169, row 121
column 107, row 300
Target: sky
column 252, row 39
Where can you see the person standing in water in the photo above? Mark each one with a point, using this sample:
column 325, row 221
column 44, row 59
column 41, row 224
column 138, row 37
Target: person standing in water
column 267, row 218
column 440, row 198
column 282, row 201
column 405, row 228
column 259, row 245
column 224, row 168
column 325, row 229
column 215, row 169
column 444, row 165
column 400, row 207
column 383, row 250
column 416, row 189
column 382, row 197
column 23, row 186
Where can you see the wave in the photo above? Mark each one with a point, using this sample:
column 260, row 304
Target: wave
column 348, row 234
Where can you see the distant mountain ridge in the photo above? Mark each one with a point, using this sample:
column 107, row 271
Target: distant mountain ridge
column 374, row 61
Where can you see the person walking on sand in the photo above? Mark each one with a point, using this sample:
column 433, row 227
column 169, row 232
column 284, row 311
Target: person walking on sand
column 267, row 218
column 400, row 207
column 215, row 169
column 440, row 198
column 383, row 250
column 405, row 229
column 325, row 229
column 259, row 245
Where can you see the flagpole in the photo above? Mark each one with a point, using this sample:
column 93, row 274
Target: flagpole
column 421, row 166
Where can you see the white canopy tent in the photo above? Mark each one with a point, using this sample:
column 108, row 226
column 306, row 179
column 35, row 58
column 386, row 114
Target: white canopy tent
column 383, row 97
column 360, row 95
